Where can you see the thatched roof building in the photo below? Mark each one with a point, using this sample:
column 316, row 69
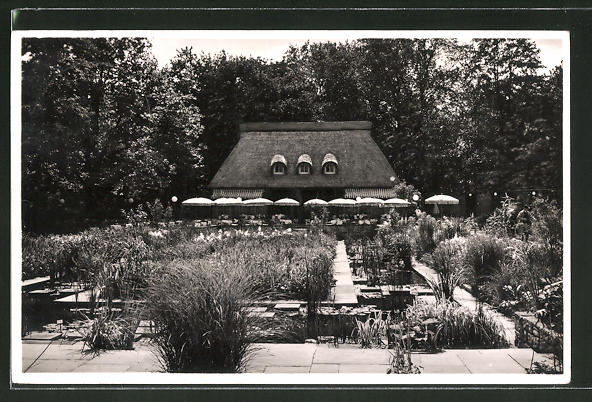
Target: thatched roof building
column 305, row 160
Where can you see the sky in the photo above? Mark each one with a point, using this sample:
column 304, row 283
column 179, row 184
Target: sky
column 165, row 48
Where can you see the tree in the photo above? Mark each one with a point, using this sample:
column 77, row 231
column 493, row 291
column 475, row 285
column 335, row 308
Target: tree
column 95, row 116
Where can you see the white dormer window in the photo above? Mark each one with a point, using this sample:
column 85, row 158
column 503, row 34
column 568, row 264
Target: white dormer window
column 279, row 168
column 304, row 168
column 279, row 165
column 304, row 164
column 329, row 168
column 330, row 164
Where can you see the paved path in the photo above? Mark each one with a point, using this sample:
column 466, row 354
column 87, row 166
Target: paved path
column 345, row 294
column 467, row 300
column 284, row 358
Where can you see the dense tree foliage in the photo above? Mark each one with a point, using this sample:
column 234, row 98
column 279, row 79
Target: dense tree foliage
column 102, row 129
column 102, row 124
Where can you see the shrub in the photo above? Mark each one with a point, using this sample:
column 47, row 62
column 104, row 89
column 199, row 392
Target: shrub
column 502, row 221
column 370, row 332
column 547, row 229
column 447, row 260
column 398, row 248
column 533, row 269
column 451, row 227
column 457, row 326
column 424, row 235
column 504, row 289
column 47, row 256
column 155, row 212
column 199, row 310
column 484, row 254
column 373, row 255
column 107, row 332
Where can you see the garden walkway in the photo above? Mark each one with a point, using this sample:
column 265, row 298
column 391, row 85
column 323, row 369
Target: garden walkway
column 464, row 298
column 344, row 294
column 283, row 358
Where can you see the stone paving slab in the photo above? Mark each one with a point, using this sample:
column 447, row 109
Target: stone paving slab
column 344, row 292
column 524, row 356
column 264, row 314
column 287, row 306
column 364, row 368
column 273, row 354
column 287, row 369
column 491, row 363
column 256, row 309
column 324, row 368
column 339, row 355
column 55, row 366
column 101, row 368
column 284, row 358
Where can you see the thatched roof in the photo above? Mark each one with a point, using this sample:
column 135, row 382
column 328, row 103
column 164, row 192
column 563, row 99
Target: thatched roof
column 361, row 163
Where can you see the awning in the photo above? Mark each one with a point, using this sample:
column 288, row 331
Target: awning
column 244, row 193
column 382, row 193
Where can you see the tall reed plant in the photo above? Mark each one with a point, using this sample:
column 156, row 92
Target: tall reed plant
column 199, row 308
column 459, row 327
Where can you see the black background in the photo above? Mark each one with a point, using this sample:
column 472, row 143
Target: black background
column 395, row 15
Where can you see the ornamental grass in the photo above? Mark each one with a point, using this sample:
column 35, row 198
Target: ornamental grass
column 458, row 326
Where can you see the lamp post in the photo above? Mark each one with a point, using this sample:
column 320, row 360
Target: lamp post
column 174, row 199
column 415, row 199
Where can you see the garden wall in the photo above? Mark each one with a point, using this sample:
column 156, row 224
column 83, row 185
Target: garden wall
column 532, row 333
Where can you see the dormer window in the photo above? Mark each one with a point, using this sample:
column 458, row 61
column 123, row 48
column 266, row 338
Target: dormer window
column 304, row 168
column 330, row 164
column 278, row 168
column 279, row 165
column 304, row 164
column 330, row 168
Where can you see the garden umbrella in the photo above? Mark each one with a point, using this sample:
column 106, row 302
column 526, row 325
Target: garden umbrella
column 396, row 203
column 197, row 208
column 258, row 202
column 257, row 206
column 286, row 202
column 342, row 202
column 315, row 202
column 369, row 201
column 227, row 205
column 369, row 206
column 198, row 202
column 441, row 199
column 230, row 202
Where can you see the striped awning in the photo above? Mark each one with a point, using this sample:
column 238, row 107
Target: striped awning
column 382, row 193
column 244, row 193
